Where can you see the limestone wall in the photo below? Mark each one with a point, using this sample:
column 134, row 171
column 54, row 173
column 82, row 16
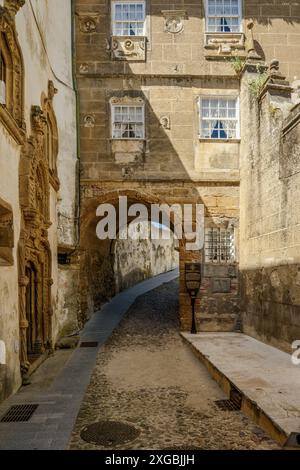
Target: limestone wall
column 44, row 35
column 136, row 260
column 270, row 215
column 185, row 52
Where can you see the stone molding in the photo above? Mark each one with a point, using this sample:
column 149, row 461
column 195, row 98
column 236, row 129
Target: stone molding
column 12, row 114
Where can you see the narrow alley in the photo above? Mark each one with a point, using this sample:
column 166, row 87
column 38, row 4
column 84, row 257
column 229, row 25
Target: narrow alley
column 147, row 377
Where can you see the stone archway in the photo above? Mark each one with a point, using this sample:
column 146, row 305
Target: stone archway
column 97, row 275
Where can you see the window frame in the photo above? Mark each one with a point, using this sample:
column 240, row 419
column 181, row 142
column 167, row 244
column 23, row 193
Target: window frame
column 238, row 119
column 6, row 68
column 113, row 121
column 228, row 261
column 240, row 17
column 113, row 15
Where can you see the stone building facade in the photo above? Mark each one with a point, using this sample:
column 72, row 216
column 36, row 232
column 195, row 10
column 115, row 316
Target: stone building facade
column 178, row 69
column 38, row 174
column 180, row 102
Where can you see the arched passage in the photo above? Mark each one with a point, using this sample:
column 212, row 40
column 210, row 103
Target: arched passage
column 97, row 256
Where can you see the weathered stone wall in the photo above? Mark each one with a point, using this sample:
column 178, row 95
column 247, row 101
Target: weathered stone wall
column 139, row 259
column 270, row 214
column 172, row 164
column 171, row 72
column 97, row 278
column 184, row 53
column 44, row 35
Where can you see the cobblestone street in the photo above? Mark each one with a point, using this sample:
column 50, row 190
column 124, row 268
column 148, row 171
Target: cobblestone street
column 146, row 376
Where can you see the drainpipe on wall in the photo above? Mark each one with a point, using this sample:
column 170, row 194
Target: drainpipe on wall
column 74, row 79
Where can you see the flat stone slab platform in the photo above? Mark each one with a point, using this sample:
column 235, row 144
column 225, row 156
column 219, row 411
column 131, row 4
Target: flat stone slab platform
column 266, row 377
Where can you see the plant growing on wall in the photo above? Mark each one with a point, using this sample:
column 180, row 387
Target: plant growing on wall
column 237, row 63
column 256, row 85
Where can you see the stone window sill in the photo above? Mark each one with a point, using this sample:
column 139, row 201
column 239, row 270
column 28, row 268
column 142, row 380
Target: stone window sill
column 127, row 140
column 222, row 44
column 220, row 141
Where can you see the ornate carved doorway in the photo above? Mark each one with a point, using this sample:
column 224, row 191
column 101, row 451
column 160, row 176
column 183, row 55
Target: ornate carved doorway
column 34, row 252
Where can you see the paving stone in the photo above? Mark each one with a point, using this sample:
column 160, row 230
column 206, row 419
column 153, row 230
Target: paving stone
column 62, row 399
column 146, row 375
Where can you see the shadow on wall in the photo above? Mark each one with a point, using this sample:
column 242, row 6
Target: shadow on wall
column 270, row 304
column 98, row 282
column 142, row 258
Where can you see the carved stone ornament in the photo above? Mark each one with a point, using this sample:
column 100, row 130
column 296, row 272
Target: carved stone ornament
column 14, row 5
column 12, row 114
column 88, row 23
column 127, row 100
column 129, row 48
column 51, row 133
column 224, row 43
column 174, row 20
column 165, row 122
column 34, row 253
column 84, row 68
column 89, row 121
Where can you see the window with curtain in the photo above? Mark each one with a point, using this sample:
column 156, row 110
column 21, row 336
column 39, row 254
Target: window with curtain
column 223, row 16
column 128, row 122
column 219, row 245
column 219, row 118
column 128, row 18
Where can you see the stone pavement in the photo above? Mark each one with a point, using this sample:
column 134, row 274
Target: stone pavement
column 59, row 400
column 266, row 377
column 147, row 376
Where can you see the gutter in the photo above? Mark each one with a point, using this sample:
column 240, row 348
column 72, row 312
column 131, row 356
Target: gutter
column 75, row 87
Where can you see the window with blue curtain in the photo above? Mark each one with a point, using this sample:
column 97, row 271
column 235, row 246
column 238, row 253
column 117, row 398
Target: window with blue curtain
column 223, row 16
column 219, row 118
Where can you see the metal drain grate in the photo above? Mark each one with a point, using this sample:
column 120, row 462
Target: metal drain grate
column 19, row 413
column 109, row 433
column 233, row 404
column 227, row 405
column 89, row 344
